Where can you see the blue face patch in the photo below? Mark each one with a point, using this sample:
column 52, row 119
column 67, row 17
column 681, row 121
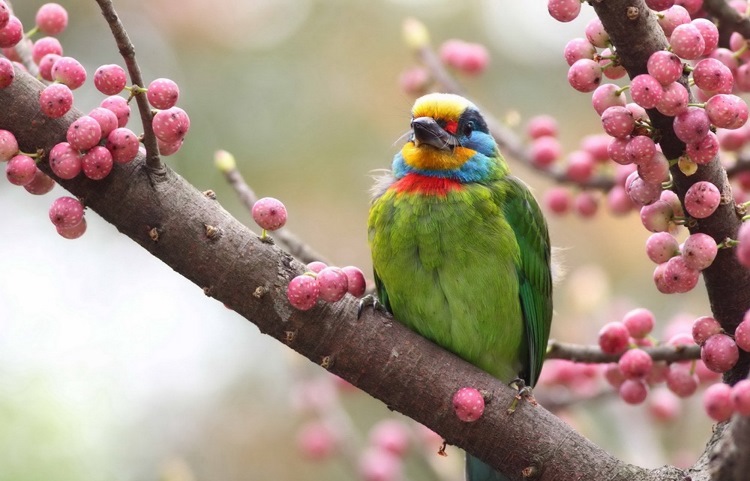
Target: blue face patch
column 476, row 169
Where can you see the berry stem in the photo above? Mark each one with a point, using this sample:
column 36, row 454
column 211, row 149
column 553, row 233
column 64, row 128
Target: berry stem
column 727, row 243
column 127, row 50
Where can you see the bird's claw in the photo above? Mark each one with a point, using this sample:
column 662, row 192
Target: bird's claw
column 370, row 300
column 524, row 392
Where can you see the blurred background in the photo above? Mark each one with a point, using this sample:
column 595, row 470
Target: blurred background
column 113, row 367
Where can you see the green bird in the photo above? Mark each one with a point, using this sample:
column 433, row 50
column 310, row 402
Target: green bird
column 460, row 248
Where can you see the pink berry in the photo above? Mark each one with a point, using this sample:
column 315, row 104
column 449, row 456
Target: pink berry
column 415, row 80
column 51, row 18
column 269, row 213
column 355, row 280
column 586, row 204
column 585, row 75
column 665, row 67
column 656, row 170
column 66, row 212
column 613, row 375
column 316, row 266
column 640, row 322
column 681, row 381
column 171, row 125
column 674, row 100
column 97, row 163
column 20, row 169
column 613, row 338
column 84, row 133
column 106, row 118
column 699, row 251
column 545, row 151
column 717, row 401
column 470, row 58
column 633, row 391
column 687, row 42
column 11, row 33
column 73, row 232
column 65, row 161
column 691, row 125
column 169, row 148
column 720, row 353
column 708, row 30
column 468, row 403
column 710, row 74
column 45, row 66
column 607, row 95
column 596, row 34
column 333, row 284
column 617, row 150
column 119, row 106
column 110, row 79
column 43, row 46
column 392, row 436
column 618, row 121
column 727, row 111
column 317, row 440
column 611, row 67
column 664, row 406
column 742, row 334
column 743, row 249
column 56, row 100
column 741, row 397
column 564, row 10
column 646, row 91
column 123, row 144
column 640, row 149
column 672, row 17
column 163, row 93
column 702, row 199
column 542, row 126
column 635, row 364
column 7, row 72
column 661, row 246
column 678, row 277
column 580, row 166
column 303, row 292
column 379, row 465
column 8, row 145
column 703, row 151
column 657, row 217
column 596, row 145
column 641, row 192
column 69, row 71
column 558, row 200
column 705, row 327
column 40, row 184
column 577, row 49
column 4, row 14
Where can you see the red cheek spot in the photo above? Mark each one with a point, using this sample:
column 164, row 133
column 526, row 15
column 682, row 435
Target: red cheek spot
column 451, row 126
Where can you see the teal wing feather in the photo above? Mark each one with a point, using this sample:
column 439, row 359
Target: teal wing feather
column 534, row 274
column 382, row 293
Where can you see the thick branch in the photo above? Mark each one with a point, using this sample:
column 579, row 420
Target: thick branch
column 393, row 364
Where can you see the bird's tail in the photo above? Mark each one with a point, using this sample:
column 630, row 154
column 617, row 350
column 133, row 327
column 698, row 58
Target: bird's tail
column 477, row 470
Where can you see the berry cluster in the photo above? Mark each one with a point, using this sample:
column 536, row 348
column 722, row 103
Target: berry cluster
column 94, row 142
column 329, row 284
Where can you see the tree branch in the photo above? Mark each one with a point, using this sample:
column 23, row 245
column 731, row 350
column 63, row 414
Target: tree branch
column 405, row 371
column 593, row 354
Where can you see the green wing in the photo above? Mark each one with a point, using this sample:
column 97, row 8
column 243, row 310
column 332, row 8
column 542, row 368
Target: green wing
column 534, row 275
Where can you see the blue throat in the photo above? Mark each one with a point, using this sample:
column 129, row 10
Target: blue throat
column 477, row 169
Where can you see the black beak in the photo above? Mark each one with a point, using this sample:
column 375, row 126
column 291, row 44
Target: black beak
column 427, row 131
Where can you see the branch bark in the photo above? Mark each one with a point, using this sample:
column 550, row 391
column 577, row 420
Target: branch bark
column 405, row 371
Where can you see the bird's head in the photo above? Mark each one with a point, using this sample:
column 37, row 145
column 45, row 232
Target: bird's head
column 449, row 138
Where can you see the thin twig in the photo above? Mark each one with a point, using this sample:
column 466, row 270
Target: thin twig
column 509, row 143
column 293, row 244
column 593, row 354
column 127, row 50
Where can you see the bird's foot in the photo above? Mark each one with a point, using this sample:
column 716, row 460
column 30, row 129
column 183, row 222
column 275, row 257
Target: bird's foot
column 370, row 300
column 524, row 392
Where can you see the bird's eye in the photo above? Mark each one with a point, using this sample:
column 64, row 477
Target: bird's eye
column 469, row 127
